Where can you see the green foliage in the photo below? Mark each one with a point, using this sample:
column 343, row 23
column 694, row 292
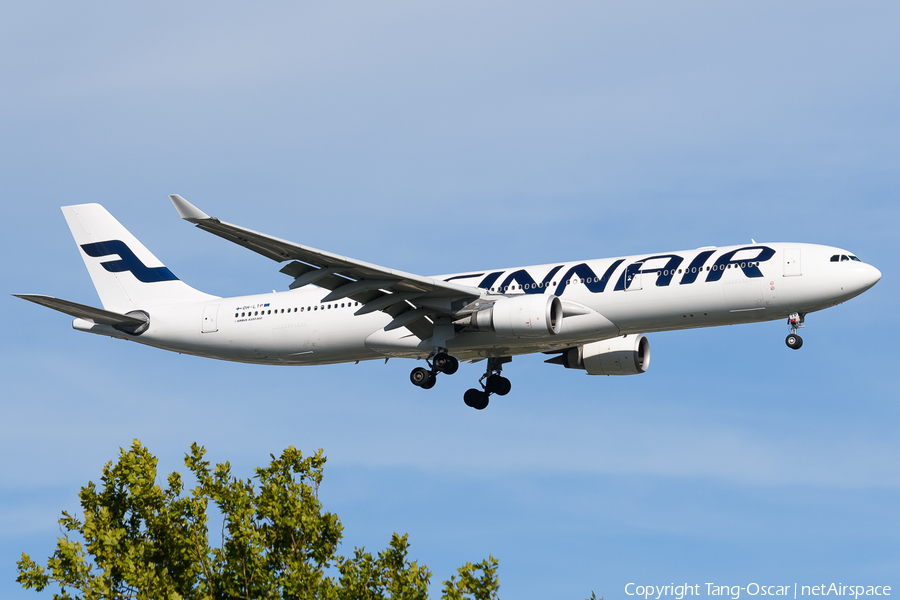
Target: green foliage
column 470, row 586
column 138, row 540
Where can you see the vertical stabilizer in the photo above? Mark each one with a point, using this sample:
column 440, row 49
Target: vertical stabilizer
column 125, row 273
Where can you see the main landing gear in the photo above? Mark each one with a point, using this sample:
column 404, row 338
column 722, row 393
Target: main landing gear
column 795, row 321
column 441, row 363
column 492, row 382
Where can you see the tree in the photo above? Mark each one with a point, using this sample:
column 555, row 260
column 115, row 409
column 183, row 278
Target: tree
column 138, row 540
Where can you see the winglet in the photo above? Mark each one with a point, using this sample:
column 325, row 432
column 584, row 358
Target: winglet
column 186, row 210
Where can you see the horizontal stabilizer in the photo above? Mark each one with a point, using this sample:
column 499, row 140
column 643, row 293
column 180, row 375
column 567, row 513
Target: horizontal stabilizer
column 82, row 311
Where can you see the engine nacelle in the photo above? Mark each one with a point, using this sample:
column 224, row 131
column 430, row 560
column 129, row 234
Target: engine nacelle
column 624, row 355
column 530, row 315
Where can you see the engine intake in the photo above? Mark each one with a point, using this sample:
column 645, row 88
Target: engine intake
column 625, row 355
column 532, row 315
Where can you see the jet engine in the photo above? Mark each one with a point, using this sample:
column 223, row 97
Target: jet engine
column 529, row 315
column 624, row 355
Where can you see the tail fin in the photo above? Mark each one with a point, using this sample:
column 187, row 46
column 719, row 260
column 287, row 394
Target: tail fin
column 125, row 273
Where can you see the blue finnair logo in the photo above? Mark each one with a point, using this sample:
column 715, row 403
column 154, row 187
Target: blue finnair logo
column 667, row 268
column 127, row 261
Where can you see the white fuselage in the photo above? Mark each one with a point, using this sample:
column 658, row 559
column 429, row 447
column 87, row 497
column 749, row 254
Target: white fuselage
column 705, row 287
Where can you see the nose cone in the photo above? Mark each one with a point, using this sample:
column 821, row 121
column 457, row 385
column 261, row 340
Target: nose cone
column 862, row 278
column 872, row 276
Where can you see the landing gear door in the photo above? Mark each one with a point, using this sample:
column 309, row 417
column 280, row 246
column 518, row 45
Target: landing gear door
column 209, row 319
column 792, row 262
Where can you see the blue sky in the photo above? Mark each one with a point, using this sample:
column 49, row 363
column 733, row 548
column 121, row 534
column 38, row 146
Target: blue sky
column 440, row 138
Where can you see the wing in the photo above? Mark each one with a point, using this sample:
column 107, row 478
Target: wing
column 413, row 301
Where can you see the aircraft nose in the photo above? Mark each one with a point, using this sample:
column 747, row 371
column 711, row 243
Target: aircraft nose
column 873, row 276
column 863, row 277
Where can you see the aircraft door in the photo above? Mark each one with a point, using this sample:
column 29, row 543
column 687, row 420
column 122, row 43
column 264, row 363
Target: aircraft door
column 792, row 262
column 209, row 319
column 633, row 281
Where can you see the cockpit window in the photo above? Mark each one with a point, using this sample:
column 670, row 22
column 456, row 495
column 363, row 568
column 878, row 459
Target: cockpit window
column 835, row 258
column 844, row 257
column 854, row 258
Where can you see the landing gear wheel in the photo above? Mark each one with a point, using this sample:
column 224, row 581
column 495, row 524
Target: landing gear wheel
column 445, row 363
column 497, row 384
column 432, row 379
column 421, row 376
column 793, row 341
column 476, row 399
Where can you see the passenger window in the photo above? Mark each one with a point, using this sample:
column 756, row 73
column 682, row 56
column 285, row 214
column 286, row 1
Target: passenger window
column 236, row 315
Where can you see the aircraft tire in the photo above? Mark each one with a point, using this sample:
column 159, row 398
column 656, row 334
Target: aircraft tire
column 420, row 376
column 494, row 384
column 432, row 379
column 471, row 397
column 505, row 387
column 793, row 341
column 482, row 402
column 445, row 363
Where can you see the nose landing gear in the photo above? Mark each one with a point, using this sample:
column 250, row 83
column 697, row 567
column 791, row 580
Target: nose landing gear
column 492, row 382
column 795, row 321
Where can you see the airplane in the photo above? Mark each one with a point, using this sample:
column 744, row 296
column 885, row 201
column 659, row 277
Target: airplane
column 592, row 315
